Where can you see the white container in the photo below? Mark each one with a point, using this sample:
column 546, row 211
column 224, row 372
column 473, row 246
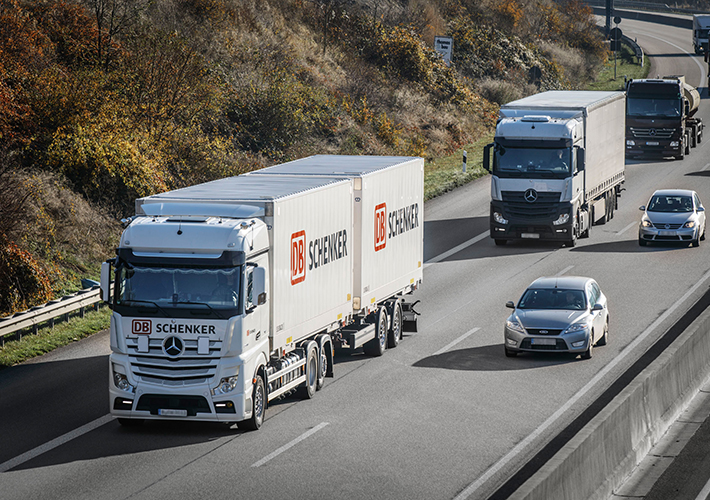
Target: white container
column 388, row 206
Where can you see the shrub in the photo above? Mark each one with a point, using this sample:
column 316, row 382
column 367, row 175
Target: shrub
column 23, row 281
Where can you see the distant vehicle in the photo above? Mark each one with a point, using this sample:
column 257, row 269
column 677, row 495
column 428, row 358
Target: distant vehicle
column 661, row 117
column 558, row 314
column 701, row 28
column 672, row 215
column 556, row 164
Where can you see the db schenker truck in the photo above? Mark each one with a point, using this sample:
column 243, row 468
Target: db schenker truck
column 660, row 117
column 556, row 164
column 230, row 294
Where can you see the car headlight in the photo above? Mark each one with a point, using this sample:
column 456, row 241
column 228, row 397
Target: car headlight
column 515, row 326
column 646, row 223
column 499, row 218
column 690, row 223
column 576, row 327
column 562, row 219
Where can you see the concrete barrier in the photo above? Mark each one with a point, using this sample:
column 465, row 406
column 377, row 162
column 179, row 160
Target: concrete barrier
column 605, row 451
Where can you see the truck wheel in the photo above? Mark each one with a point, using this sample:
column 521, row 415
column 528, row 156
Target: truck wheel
column 376, row 346
column 500, row 243
column 693, row 136
column 395, row 333
column 687, row 143
column 131, row 422
column 259, row 406
column 308, row 389
column 322, row 366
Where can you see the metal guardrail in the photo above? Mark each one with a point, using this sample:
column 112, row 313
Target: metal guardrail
column 53, row 309
column 638, row 51
column 660, row 6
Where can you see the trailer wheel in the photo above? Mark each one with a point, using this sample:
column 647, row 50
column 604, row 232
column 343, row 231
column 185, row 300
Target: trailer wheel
column 259, row 407
column 395, row 332
column 376, row 346
column 687, row 142
column 322, row 367
column 693, row 136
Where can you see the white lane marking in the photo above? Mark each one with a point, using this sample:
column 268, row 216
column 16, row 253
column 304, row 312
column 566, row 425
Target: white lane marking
column 704, row 493
column 456, row 249
column 703, row 75
column 54, row 443
column 627, row 228
column 462, row 337
column 564, row 270
column 471, row 488
column 289, row 445
column 705, row 167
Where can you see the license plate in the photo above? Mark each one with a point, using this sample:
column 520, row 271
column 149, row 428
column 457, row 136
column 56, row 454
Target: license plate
column 652, row 143
column 530, row 235
column 543, row 341
column 172, row 413
column 667, row 233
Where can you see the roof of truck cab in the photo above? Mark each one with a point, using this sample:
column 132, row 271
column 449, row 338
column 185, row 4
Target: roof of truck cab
column 346, row 165
column 564, row 99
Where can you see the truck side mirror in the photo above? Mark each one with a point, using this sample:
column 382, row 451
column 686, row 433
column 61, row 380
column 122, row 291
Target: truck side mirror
column 581, row 153
column 106, row 282
column 487, row 157
column 259, row 285
column 686, row 106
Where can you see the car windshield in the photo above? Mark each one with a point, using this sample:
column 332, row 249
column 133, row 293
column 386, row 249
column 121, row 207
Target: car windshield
column 553, row 298
column 160, row 287
column 653, row 107
column 533, row 162
column 666, row 203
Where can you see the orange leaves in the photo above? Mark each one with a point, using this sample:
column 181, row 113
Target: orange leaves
column 22, row 280
column 508, row 14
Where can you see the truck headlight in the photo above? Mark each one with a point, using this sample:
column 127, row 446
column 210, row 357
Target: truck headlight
column 629, row 142
column 562, row 219
column 499, row 218
column 690, row 223
column 121, row 381
column 674, row 144
column 226, row 385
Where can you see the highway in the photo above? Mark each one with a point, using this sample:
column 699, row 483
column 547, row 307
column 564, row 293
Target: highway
column 444, row 415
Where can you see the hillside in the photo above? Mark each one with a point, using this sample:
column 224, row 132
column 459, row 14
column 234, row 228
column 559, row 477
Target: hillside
column 103, row 101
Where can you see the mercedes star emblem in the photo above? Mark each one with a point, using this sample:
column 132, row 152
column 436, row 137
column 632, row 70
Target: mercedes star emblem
column 652, row 132
column 173, row 346
column 530, row 195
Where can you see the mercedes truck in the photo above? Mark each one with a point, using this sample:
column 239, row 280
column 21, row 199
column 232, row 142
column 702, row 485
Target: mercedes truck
column 232, row 293
column 556, row 164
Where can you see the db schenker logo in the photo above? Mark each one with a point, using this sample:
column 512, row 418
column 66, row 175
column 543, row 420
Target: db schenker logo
column 298, row 257
column 141, row 327
column 380, row 226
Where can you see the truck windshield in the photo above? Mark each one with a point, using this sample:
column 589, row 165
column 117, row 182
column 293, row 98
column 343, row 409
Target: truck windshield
column 165, row 287
column 636, row 106
column 533, row 162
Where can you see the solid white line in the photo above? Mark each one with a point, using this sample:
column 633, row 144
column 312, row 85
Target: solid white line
column 703, row 75
column 704, row 493
column 705, row 167
column 449, row 346
column 471, row 488
column 627, row 228
column 564, row 270
column 289, row 445
column 457, row 249
column 50, row 445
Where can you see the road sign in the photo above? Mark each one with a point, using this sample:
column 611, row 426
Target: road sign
column 615, row 34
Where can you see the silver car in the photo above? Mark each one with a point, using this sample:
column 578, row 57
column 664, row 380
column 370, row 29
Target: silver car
column 559, row 314
column 673, row 215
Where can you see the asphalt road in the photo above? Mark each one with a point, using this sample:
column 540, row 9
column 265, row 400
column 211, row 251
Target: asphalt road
column 444, row 415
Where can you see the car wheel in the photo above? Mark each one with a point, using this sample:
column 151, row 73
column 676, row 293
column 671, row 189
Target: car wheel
column 588, row 353
column 605, row 336
column 702, row 236
column 642, row 242
column 509, row 353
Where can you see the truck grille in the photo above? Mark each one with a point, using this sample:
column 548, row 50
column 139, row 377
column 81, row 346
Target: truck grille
column 546, row 205
column 190, row 368
column 651, row 133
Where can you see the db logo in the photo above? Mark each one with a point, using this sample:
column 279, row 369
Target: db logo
column 380, row 226
column 298, row 257
column 141, row 327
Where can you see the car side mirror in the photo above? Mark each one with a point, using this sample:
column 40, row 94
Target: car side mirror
column 597, row 307
column 510, row 304
column 701, row 209
column 642, row 208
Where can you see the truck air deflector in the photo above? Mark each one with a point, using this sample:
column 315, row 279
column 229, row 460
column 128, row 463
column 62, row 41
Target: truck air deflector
column 228, row 258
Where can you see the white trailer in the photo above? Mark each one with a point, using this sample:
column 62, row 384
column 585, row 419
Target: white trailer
column 232, row 293
column 701, row 31
column 557, row 165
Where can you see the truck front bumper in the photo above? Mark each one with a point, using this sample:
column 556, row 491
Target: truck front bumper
column 661, row 148
column 505, row 227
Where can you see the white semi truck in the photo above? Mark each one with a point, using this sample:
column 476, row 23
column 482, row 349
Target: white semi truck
column 229, row 294
column 556, row 164
column 701, row 29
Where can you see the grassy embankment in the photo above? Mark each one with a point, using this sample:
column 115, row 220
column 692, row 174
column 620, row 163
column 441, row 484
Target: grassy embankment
column 440, row 175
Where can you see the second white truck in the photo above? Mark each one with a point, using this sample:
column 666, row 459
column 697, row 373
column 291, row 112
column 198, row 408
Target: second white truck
column 556, row 164
column 235, row 292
